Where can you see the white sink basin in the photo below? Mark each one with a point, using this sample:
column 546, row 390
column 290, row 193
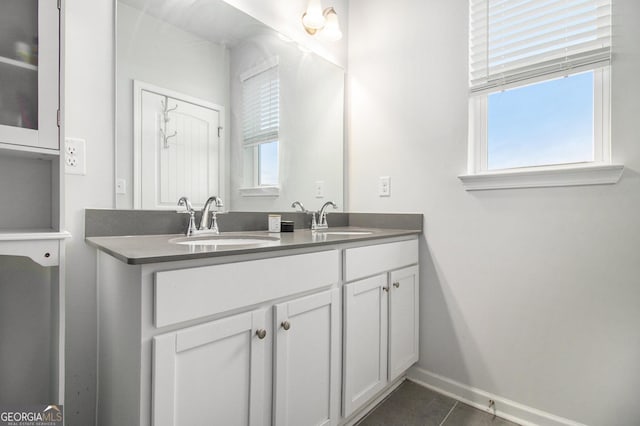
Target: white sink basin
column 346, row 232
column 224, row 240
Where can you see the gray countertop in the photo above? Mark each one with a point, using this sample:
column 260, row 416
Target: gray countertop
column 141, row 249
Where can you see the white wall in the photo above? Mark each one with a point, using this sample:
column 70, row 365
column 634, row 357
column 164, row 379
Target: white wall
column 89, row 115
column 158, row 53
column 528, row 294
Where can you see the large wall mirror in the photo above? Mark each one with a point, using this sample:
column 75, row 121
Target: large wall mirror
column 211, row 101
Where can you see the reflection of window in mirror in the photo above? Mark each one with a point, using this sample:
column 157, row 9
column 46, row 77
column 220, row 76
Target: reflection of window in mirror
column 261, row 124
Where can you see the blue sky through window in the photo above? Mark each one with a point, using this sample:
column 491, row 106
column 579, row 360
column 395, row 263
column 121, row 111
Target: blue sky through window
column 542, row 124
column 268, row 163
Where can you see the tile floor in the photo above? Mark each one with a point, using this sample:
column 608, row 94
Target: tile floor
column 413, row 405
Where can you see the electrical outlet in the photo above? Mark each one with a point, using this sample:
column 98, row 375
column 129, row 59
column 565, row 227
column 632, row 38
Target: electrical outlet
column 75, row 159
column 71, row 149
column 384, row 186
column 121, row 186
column 319, row 189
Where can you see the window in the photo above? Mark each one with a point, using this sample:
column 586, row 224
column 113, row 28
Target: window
column 261, row 125
column 539, row 86
column 545, row 123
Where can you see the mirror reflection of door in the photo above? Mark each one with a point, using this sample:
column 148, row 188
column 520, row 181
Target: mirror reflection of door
column 179, row 149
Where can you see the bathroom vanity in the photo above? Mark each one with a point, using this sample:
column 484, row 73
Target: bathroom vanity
column 305, row 329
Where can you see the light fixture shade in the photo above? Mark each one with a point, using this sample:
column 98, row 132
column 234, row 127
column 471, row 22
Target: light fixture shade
column 331, row 30
column 313, row 19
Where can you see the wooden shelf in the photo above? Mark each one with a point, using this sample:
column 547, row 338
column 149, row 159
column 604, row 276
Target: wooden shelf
column 18, row 64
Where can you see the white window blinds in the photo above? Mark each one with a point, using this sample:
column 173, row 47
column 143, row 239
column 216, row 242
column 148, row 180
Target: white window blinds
column 515, row 41
column 261, row 104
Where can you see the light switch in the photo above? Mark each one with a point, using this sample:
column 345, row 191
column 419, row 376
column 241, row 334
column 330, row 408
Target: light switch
column 384, row 186
column 121, row 186
column 319, row 189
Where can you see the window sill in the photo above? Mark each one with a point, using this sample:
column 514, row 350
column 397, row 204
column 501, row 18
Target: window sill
column 260, row 191
column 540, row 177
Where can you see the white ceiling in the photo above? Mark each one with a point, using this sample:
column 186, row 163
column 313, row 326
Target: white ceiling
column 213, row 20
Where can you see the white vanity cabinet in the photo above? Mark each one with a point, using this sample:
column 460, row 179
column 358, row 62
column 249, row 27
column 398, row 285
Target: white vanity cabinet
column 307, row 361
column 203, row 341
column 380, row 319
column 211, row 373
column 365, row 341
column 403, row 320
column 215, row 372
column 288, row 338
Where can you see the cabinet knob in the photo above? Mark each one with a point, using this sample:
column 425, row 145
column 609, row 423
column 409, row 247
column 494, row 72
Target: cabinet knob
column 386, row 288
column 396, row 284
column 286, row 325
column 261, row 333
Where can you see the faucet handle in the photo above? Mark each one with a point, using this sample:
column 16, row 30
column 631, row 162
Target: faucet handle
column 184, row 201
column 214, row 223
column 330, row 203
column 191, row 229
column 299, row 204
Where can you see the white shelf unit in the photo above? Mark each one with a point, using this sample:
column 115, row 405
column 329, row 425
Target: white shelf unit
column 27, row 288
column 18, row 64
column 29, row 95
column 44, row 248
column 32, row 236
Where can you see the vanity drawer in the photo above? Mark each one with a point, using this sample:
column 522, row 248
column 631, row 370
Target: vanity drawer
column 371, row 260
column 188, row 294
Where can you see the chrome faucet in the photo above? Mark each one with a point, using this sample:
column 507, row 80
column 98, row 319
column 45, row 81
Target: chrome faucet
column 299, row 204
column 206, row 211
column 322, row 216
column 191, row 229
column 204, row 220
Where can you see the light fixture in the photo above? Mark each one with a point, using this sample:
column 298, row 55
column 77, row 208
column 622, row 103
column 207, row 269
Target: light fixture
column 313, row 18
column 331, row 30
column 321, row 22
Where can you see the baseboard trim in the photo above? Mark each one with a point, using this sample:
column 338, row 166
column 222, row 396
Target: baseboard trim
column 505, row 408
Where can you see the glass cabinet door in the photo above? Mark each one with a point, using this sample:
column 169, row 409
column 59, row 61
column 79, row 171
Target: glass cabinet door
column 29, row 70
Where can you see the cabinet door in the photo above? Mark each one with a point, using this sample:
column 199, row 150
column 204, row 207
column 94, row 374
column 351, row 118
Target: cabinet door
column 29, row 63
column 211, row 374
column 306, row 376
column 365, row 341
column 403, row 320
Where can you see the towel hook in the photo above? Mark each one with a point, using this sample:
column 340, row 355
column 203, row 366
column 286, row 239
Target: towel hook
column 165, row 119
